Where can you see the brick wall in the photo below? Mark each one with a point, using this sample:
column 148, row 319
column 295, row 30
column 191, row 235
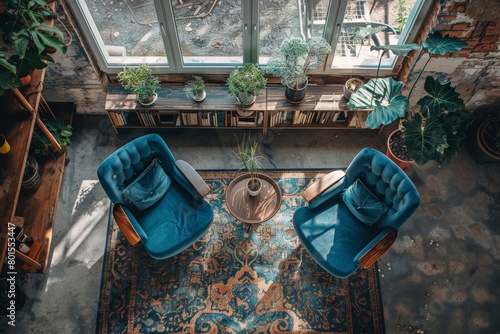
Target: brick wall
column 475, row 69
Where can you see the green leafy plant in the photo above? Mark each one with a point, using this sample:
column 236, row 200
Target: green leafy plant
column 8, row 77
column 140, row 80
column 25, row 29
column 247, row 153
column 195, row 87
column 434, row 126
column 246, row 82
column 40, row 144
column 296, row 58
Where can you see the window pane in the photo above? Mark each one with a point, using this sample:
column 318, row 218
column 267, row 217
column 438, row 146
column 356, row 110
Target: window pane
column 127, row 29
column 392, row 14
column 277, row 21
column 209, row 32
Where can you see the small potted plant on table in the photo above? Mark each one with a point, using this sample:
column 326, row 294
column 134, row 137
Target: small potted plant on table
column 141, row 81
column 246, row 83
column 252, row 163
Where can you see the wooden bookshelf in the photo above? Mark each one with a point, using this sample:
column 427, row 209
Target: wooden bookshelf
column 324, row 107
column 37, row 210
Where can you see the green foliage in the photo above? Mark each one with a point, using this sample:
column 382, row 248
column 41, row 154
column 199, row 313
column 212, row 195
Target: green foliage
column 40, row 144
column 247, row 153
column 246, row 80
column 296, row 58
column 24, row 28
column 435, row 125
column 195, row 87
column 140, row 80
column 8, row 77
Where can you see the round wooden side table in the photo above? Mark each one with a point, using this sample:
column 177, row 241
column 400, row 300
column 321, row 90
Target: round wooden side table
column 253, row 209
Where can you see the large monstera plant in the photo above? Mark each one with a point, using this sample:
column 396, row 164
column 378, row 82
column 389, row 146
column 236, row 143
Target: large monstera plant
column 433, row 127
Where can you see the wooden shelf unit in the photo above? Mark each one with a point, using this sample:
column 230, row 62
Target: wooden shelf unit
column 174, row 109
column 324, row 107
column 37, row 209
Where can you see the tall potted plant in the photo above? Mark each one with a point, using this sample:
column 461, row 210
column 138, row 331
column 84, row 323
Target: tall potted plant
column 294, row 61
column 141, row 81
column 246, row 83
column 431, row 128
column 252, row 163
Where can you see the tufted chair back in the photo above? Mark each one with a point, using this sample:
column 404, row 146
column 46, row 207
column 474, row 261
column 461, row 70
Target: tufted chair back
column 120, row 168
column 388, row 182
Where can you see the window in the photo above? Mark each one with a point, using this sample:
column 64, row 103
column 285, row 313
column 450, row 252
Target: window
column 214, row 36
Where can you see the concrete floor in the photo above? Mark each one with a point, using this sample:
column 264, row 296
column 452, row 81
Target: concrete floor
column 441, row 276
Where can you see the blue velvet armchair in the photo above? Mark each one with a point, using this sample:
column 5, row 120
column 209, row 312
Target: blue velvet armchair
column 353, row 217
column 157, row 200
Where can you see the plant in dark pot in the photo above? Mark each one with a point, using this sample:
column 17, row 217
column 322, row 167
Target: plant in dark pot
column 141, row 81
column 246, row 83
column 433, row 127
column 252, row 163
column 195, row 89
column 293, row 62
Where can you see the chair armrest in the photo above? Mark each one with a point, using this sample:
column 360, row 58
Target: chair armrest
column 193, row 177
column 376, row 248
column 130, row 228
column 321, row 185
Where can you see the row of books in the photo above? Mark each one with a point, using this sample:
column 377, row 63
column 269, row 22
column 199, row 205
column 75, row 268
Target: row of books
column 307, row 117
column 119, row 118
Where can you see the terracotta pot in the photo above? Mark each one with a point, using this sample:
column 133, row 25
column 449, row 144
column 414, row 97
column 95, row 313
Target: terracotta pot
column 25, row 81
column 403, row 164
column 484, row 144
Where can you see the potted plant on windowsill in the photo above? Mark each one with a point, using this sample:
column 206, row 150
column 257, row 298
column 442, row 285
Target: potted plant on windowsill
column 246, row 83
column 252, row 163
column 294, row 61
column 432, row 128
column 141, row 81
column 195, row 89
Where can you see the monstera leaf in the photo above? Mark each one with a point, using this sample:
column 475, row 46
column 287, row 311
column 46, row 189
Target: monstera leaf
column 421, row 141
column 439, row 45
column 381, row 95
column 442, row 98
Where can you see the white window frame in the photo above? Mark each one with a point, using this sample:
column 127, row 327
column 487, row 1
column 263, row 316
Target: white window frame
column 250, row 31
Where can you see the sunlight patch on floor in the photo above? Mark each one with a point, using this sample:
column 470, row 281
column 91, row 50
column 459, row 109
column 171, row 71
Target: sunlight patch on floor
column 85, row 240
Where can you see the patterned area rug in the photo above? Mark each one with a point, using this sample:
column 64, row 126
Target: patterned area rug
column 236, row 281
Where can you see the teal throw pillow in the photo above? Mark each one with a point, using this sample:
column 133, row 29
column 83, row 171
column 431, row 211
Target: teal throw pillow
column 363, row 203
column 148, row 187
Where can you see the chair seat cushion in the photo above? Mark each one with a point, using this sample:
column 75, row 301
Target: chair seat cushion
column 148, row 187
column 363, row 204
column 174, row 223
column 333, row 236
